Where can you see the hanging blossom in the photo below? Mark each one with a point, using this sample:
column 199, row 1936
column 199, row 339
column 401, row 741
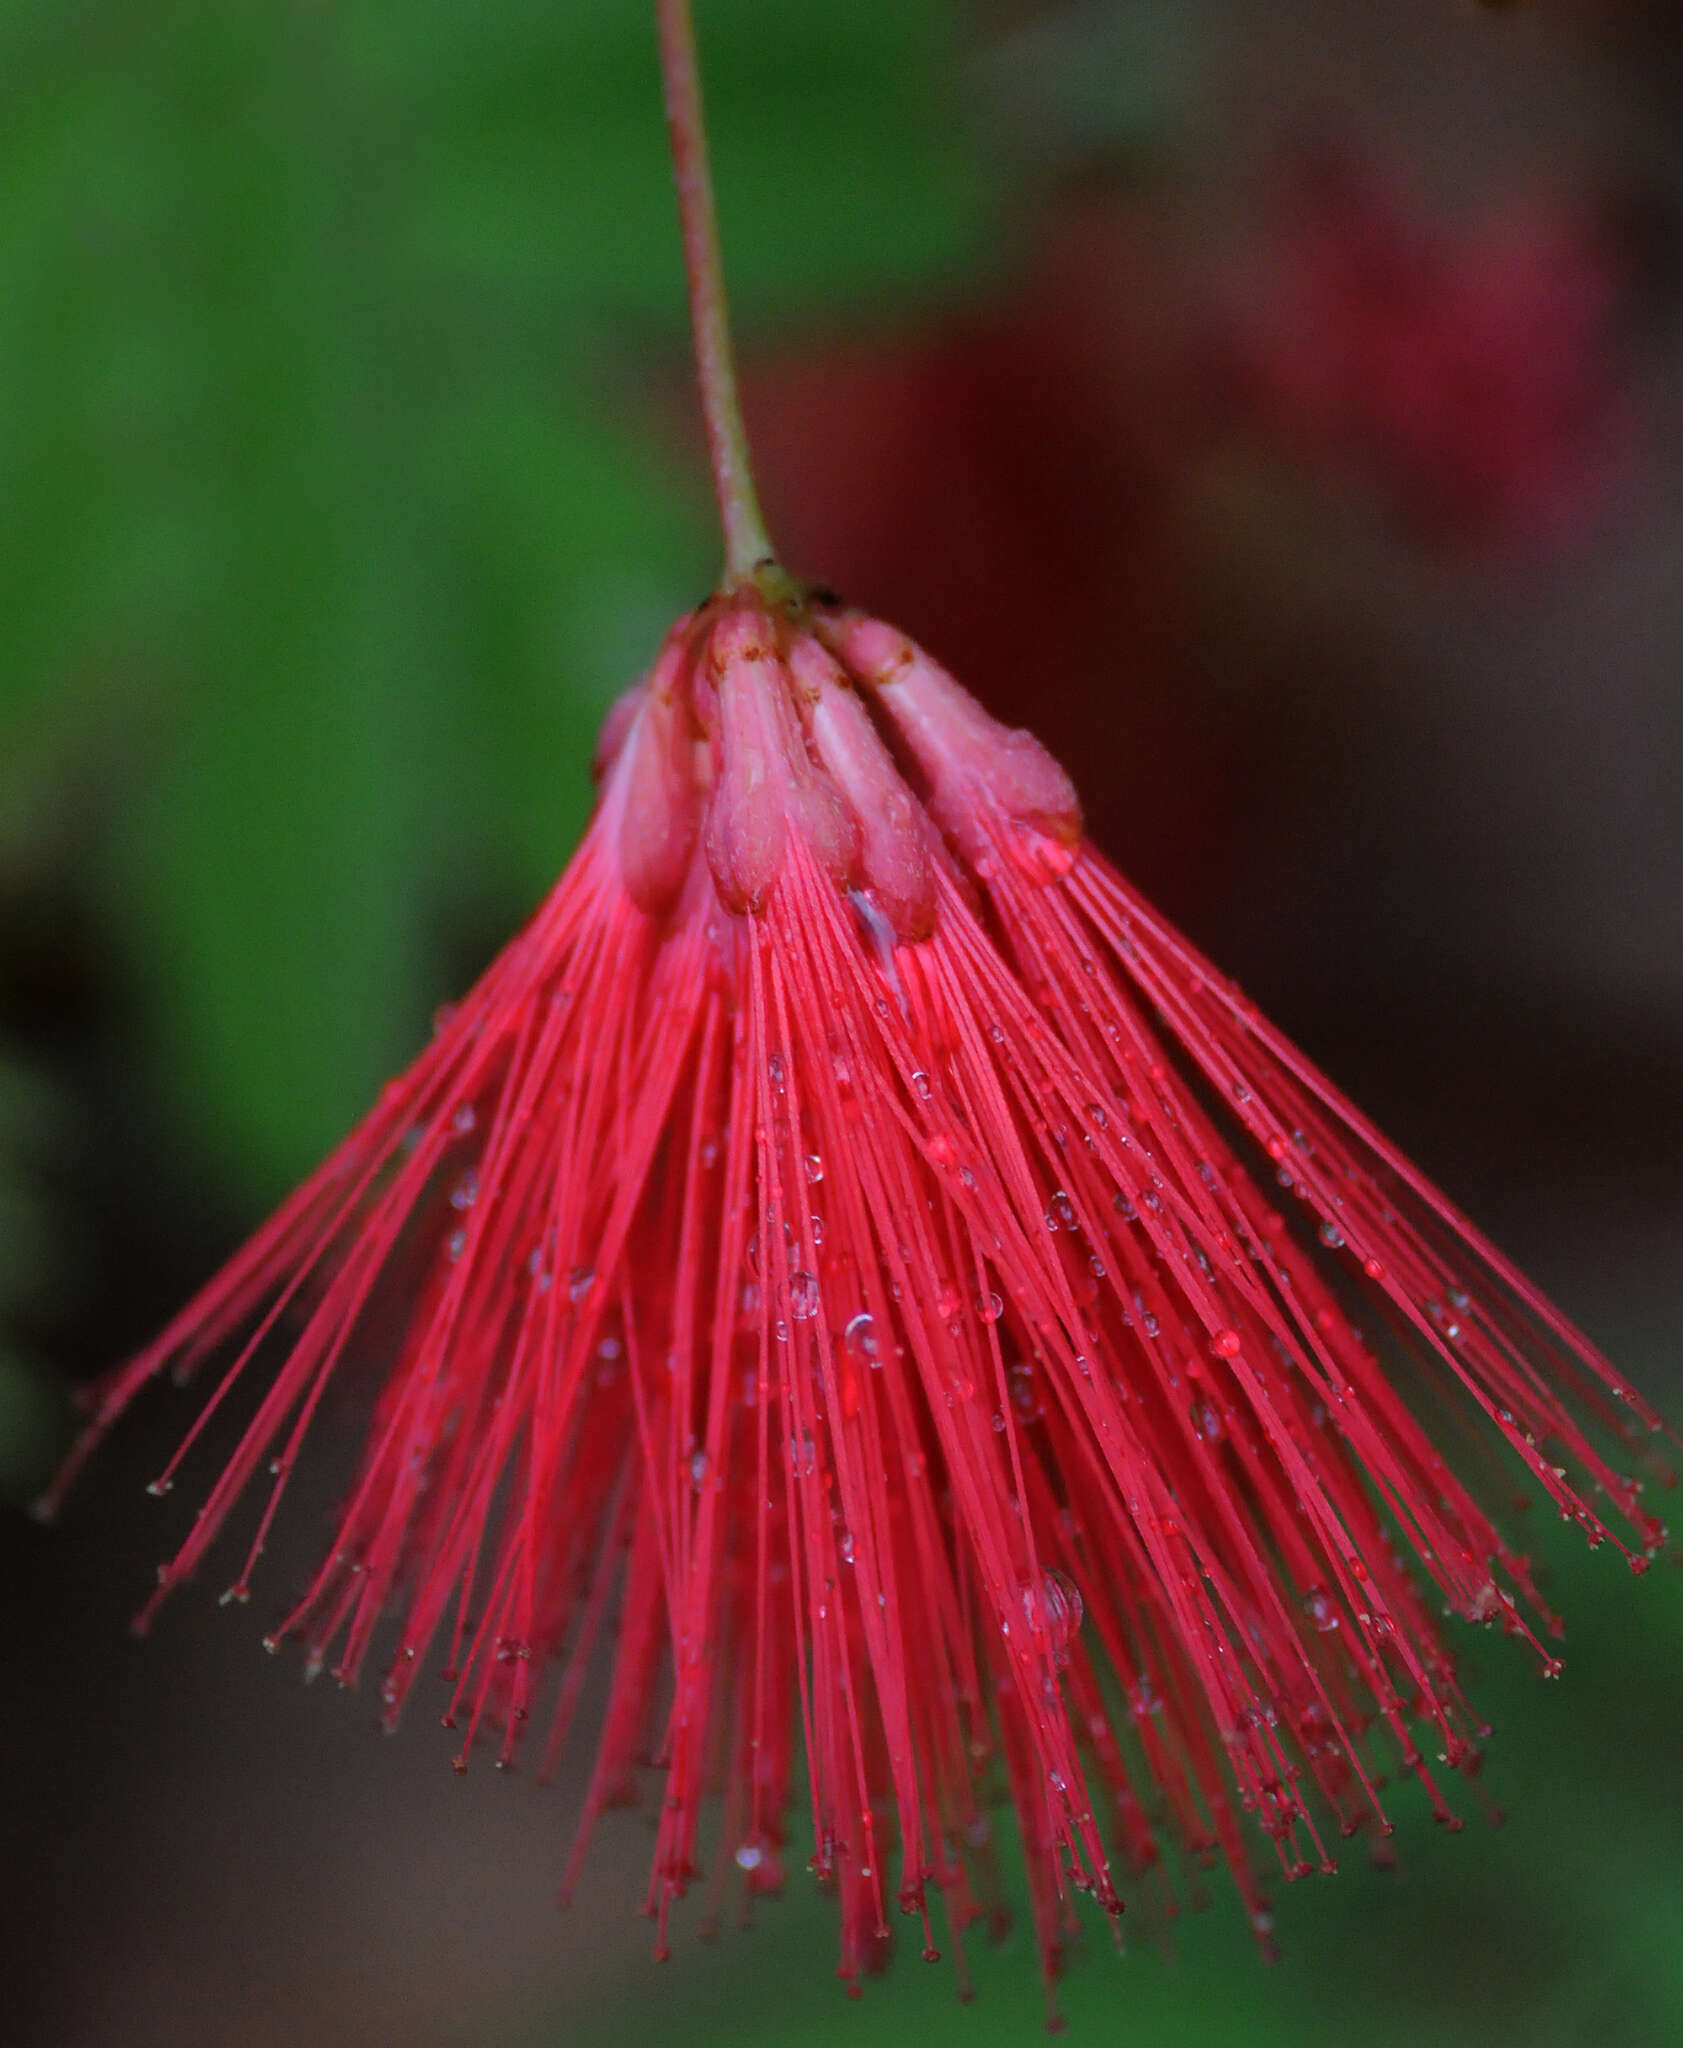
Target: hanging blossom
column 873, row 1281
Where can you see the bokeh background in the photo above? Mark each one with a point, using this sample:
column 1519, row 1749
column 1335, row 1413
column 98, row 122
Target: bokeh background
column 1274, row 401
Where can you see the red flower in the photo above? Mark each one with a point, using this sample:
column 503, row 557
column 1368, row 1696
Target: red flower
column 1483, row 384
column 868, row 1266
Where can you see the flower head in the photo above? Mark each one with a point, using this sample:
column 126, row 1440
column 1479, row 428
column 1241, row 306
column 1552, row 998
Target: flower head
column 865, row 1266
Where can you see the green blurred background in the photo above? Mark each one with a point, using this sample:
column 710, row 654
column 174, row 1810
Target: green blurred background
column 1274, row 402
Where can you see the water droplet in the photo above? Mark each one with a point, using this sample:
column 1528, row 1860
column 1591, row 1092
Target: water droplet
column 1226, row 1343
column 455, row 1244
column 803, row 1297
column 466, row 1191
column 755, row 1248
column 698, row 1469
column 1064, row 1210
column 860, row 1337
column 803, row 1455
column 989, row 1307
column 749, row 1856
column 582, row 1280
column 1318, row 1605
column 920, row 1081
column 947, row 1301
column 814, row 1167
column 1054, row 1610
column 844, row 1546
column 463, row 1119
column 1025, row 1392
column 1331, row 1236
column 774, row 1067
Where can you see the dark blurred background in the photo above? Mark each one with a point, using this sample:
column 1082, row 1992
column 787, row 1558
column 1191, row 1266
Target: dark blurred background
column 1273, row 401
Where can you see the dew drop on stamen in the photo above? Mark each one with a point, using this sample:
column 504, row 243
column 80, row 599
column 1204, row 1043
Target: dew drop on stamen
column 803, row 1297
column 1025, row 1392
column 755, row 1248
column 1054, row 1610
column 860, row 1338
column 921, row 1083
column 989, row 1307
column 466, row 1191
column 579, row 1285
column 814, row 1168
column 463, row 1119
column 1331, row 1236
column 1318, row 1606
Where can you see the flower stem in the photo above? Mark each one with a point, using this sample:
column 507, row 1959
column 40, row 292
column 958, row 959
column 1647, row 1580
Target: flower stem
column 747, row 544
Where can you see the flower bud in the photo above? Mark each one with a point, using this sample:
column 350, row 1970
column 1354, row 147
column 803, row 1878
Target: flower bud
column 975, row 766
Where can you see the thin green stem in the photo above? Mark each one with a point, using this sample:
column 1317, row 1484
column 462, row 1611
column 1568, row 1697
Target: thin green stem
column 747, row 544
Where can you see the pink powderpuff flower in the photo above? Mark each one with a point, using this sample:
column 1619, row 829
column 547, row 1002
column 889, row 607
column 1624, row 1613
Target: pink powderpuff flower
column 871, row 1278
column 1484, row 384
